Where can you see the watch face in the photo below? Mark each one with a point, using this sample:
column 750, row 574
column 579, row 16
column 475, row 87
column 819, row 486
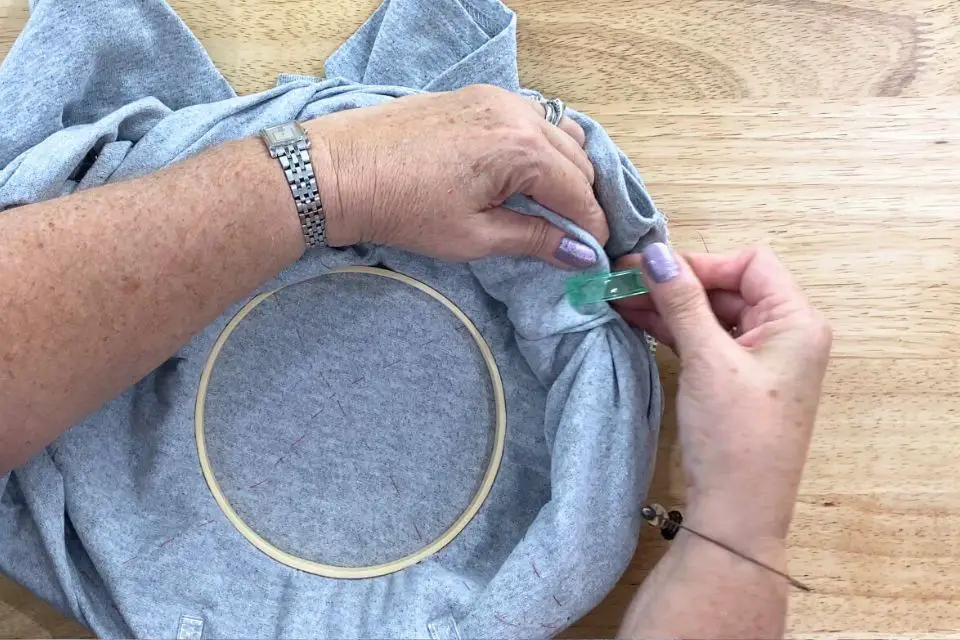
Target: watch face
column 283, row 134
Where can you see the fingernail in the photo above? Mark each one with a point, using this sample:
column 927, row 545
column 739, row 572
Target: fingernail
column 575, row 253
column 659, row 260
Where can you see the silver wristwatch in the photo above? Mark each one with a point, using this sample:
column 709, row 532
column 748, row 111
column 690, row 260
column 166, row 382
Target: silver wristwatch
column 289, row 144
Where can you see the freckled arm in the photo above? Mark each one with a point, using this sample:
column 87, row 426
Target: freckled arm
column 100, row 287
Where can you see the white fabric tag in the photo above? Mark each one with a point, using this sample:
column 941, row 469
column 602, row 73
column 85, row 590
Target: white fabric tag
column 191, row 628
column 443, row 628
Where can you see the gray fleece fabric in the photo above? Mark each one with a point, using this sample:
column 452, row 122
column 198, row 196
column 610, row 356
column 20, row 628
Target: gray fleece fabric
column 349, row 417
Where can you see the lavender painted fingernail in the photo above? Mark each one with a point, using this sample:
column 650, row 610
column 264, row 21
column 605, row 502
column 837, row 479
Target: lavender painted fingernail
column 575, row 253
column 660, row 262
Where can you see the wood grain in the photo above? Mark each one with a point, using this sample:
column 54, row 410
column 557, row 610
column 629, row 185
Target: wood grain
column 829, row 130
column 633, row 50
column 23, row 615
column 859, row 199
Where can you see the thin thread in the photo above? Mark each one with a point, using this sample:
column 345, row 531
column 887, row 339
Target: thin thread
column 793, row 581
column 669, row 523
column 503, row 620
column 704, row 242
column 395, row 487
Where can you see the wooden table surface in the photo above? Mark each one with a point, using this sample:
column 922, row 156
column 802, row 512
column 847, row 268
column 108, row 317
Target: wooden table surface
column 829, row 129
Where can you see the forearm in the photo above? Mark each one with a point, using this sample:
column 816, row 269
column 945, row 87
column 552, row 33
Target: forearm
column 98, row 288
column 699, row 590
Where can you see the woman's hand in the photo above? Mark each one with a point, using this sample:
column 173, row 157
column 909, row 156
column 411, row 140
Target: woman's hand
column 428, row 173
column 753, row 353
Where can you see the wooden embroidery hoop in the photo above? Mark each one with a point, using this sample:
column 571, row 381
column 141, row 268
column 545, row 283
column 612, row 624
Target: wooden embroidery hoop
column 372, row 571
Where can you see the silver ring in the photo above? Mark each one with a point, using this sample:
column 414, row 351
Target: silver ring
column 557, row 109
column 554, row 109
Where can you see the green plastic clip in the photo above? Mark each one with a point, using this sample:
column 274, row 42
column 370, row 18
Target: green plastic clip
column 594, row 288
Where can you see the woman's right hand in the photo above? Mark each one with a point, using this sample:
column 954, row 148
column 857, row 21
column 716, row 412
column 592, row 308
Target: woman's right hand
column 753, row 353
column 429, row 173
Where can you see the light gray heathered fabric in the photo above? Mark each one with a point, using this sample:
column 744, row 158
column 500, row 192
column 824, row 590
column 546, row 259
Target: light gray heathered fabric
column 114, row 524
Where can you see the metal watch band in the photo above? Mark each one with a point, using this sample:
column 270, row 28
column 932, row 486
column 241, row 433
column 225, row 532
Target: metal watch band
column 290, row 145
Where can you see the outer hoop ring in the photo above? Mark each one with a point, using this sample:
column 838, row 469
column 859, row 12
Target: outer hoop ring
column 372, row 571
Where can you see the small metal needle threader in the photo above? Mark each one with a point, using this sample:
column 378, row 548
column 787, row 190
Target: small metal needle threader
column 670, row 523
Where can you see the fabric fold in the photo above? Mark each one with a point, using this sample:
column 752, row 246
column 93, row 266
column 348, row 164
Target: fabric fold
column 74, row 65
column 481, row 37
